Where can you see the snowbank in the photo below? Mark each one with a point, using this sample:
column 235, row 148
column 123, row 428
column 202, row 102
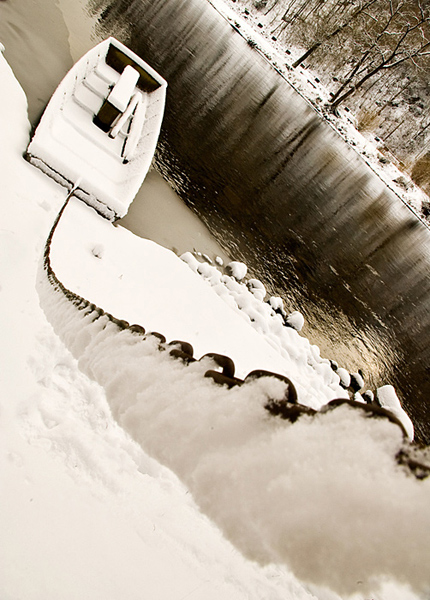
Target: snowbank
column 308, row 495
column 140, row 282
column 84, row 512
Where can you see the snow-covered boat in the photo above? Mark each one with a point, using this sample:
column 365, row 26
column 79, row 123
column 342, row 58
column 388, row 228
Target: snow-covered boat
column 99, row 132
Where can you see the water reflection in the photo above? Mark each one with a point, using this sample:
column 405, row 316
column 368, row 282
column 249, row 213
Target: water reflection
column 30, row 32
column 286, row 194
column 158, row 214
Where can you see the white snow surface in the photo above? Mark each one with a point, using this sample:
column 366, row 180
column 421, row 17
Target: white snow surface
column 125, row 474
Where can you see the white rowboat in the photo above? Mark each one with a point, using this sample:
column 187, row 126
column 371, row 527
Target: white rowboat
column 99, row 132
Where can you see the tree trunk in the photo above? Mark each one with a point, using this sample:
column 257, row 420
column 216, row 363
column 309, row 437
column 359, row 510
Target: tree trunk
column 335, row 103
column 348, row 80
column 308, row 53
column 279, row 28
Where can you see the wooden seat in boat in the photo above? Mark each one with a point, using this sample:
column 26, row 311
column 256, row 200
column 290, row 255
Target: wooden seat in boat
column 118, row 99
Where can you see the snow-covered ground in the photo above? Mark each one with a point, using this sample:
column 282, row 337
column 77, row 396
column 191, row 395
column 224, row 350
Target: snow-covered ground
column 126, row 474
column 85, row 513
column 254, row 26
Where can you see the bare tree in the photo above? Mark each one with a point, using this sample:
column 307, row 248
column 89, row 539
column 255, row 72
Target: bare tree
column 378, row 52
column 301, row 11
column 404, row 36
column 329, row 36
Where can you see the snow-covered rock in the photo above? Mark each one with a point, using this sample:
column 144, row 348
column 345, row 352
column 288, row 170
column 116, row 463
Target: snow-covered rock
column 345, row 378
column 277, row 304
column 357, row 381
column 295, row 320
column 237, row 269
column 387, row 398
column 257, row 288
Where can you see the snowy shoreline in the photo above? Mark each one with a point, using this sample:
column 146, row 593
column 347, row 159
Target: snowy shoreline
column 246, row 300
column 152, row 396
column 89, row 513
column 231, row 319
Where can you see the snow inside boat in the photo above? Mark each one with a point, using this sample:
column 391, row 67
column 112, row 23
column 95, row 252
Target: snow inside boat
column 100, row 129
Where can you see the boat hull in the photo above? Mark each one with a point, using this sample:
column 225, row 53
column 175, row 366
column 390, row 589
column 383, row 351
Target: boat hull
column 105, row 169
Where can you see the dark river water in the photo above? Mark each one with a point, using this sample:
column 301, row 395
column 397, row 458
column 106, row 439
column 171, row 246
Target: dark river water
column 275, row 185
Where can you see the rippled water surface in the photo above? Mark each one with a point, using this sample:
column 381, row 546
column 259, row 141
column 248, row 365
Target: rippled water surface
column 275, row 185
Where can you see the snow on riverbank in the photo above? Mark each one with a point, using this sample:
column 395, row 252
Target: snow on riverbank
column 86, row 512
column 139, row 281
column 254, row 26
